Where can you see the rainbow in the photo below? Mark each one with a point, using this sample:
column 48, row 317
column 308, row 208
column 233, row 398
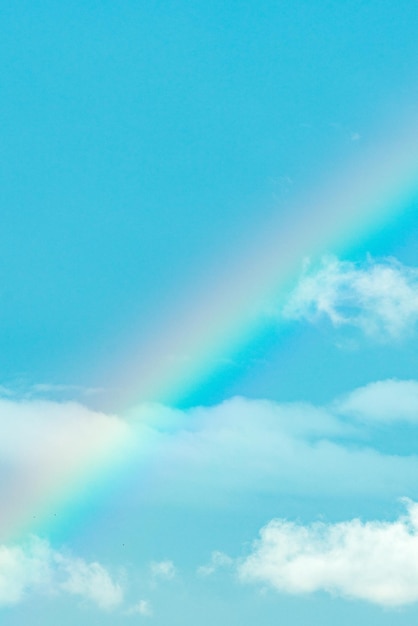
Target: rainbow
column 228, row 311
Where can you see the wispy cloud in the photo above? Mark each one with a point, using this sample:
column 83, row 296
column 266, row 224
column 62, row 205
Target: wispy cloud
column 49, row 389
column 218, row 560
column 163, row 570
column 143, row 607
column 90, row 580
column 374, row 561
column 384, row 401
column 380, row 298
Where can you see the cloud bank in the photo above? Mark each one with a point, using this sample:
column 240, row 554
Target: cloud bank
column 239, row 447
column 236, row 448
column 247, row 446
column 373, row 561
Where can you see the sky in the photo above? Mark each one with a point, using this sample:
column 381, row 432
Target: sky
column 209, row 313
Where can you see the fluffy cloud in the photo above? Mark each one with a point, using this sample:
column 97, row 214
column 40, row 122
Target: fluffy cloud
column 38, row 568
column 373, row 561
column 380, row 298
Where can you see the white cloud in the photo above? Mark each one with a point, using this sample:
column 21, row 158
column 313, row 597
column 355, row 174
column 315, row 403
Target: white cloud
column 379, row 298
column 143, row 607
column 374, row 561
column 38, row 568
column 383, row 401
column 163, row 570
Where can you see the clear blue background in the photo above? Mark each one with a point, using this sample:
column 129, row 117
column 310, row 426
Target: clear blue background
column 141, row 142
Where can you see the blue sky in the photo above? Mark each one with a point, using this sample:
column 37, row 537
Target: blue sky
column 150, row 151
